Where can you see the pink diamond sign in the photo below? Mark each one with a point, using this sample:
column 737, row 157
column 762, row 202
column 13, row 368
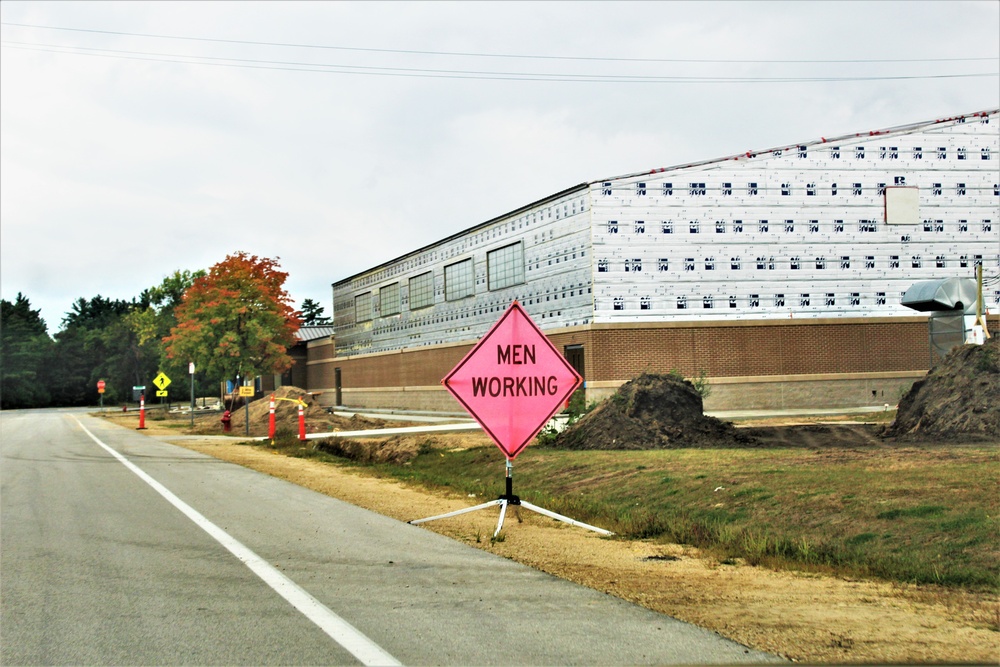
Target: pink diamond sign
column 513, row 381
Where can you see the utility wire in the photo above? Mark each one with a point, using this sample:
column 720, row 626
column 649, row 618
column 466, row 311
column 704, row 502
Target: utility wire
column 451, row 74
column 488, row 55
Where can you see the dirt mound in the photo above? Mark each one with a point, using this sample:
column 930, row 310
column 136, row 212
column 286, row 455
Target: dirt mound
column 286, row 415
column 651, row 412
column 958, row 399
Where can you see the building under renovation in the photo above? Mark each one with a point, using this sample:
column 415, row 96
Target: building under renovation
column 776, row 275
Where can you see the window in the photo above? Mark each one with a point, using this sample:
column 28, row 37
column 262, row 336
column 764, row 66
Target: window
column 754, row 301
column 963, row 225
column 987, row 225
column 821, row 262
column 810, row 189
column 668, row 189
column 867, row 226
column 838, row 226
column 612, row 226
column 789, row 226
column 935, row 188
column 814, row 226
column 732, row 302
column 779, row 300
column 786, row 189
column 682, row 303
column 602, row 265
column 735, row 263
column 762, row 226
column 663, row 264
column 751, row 188
column 802, row 151
column 738, row 226
column 645, row 303
column 899, row 180
column 918, row 153
column 709, row 263
column 879, row 298
column 984, row 154
column 640, row 189
column 915, row 262
column 633, row 264
column 459, row 280
column 707, row 302
column 942, row 152
column 857, row 189
column 667, row 227
column 803, row 300
column 939, row 262
column 835, row 152
column 963, row 154
column 831, row 299
column 422, row 290
column 606, row 188
column 727, row 188
column 859, row 152
column 893, row 261
column 833, row 188
column 689, row 263
column 639, row 227
column 960, row 188
column 619, row 303
column 505, row 266
column 363, row 307
column 869, row 261
column 698, row 189
column 845, row 262
column 794, row 263
column 963, row 261
column 720, row 227
column 694, row 227
column 855, row 298
column 388, row 300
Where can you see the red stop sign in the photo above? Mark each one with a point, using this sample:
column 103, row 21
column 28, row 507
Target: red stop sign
column 100, row 386
column 513, row 381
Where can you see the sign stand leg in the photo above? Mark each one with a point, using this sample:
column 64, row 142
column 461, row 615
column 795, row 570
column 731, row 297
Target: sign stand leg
column 510, row 499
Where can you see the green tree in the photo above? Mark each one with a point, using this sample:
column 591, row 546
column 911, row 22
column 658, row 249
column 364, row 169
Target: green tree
column 312, row 314
column 236, row 320
column 25, row 347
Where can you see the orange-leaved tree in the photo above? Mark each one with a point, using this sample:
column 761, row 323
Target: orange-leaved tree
column 236, row 320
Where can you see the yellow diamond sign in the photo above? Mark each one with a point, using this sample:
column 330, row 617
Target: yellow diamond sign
column 161, row 381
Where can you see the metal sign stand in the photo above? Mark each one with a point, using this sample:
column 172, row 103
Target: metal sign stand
column 509, row 498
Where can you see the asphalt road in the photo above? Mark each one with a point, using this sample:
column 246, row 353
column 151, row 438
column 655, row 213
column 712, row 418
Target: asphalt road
column 116, row 548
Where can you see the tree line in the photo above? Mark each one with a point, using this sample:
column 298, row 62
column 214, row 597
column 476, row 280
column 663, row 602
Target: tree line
column 234, row 319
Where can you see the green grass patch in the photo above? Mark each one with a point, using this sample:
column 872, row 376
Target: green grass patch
column 923, row 515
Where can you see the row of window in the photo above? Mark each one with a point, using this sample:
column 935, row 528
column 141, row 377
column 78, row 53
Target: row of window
column 802, row 300
column 504, row 268
column 812, row 189
column 769, row 263
column 787, row 226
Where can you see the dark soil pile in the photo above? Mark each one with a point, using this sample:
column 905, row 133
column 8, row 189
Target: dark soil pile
column 958, row 400
column 651, row 412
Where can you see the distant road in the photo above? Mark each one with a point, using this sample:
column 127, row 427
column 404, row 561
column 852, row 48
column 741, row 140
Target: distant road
column 116, row 548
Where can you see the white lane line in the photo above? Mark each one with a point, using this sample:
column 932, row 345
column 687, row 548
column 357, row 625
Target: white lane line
column 342, row 632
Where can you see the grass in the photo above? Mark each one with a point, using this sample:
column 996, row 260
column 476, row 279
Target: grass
column 920, row 515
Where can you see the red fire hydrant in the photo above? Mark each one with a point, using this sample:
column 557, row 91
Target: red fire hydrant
column 227, row 421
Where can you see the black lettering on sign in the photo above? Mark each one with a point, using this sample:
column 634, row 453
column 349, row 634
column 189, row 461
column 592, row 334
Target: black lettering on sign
column 536, row 385
column 516, row 354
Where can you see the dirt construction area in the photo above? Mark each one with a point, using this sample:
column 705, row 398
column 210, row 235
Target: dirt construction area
column 803, row 616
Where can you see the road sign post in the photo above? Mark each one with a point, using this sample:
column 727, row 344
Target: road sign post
column 191, row 373
column 512, row 383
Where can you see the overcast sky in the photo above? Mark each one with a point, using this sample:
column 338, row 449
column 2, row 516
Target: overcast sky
column 139, row 138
